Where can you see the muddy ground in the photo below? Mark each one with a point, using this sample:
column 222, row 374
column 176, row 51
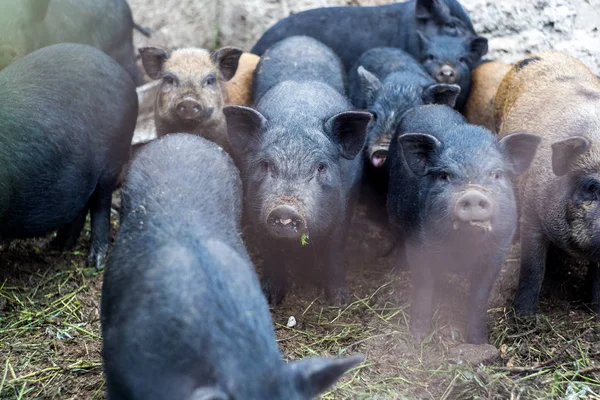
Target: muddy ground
column 50, row 332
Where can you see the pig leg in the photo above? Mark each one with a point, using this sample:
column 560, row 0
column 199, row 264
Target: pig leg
column 66, row 237
column 275, row 282
column 534, row 247
column 482, row 281
column 423, row 287
column 336, row 287
column 100, row 204
column 594, row 281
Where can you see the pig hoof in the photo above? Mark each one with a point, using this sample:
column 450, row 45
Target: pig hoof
column 420, row 329
column 274, row 293
column 338, row 296
column 97, row 257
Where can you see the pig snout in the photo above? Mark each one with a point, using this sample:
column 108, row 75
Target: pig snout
column 378, row 157
column 7, row 56
column 474, row 208
column 446, row 74
column 190, row 109
column 285, row 222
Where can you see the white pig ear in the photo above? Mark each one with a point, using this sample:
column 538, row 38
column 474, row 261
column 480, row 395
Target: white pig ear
column 566, row 151
column 419, row 150
column 370, row 84
column 348, row 130
column 36, row 9
column 227, row 60
column 153, row 59
column 520, row 148
column 315, row 375
column 244, row 126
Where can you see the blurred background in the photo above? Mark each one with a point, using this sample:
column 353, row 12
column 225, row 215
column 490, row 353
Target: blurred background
column 515, row 27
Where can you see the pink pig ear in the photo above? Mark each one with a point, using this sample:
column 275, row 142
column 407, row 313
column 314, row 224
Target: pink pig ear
column 36, row 9
column 153, row 59
column 565, row 152
column 227, row 60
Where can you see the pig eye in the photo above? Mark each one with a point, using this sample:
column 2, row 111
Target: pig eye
column 443, row 176
column 265, row 166
column 592, row 188
column 374, row 116
column 322, row 168
column 430, row 57
column 210, row 80
column 168, row 80
column 498, row 174
column 462, row 60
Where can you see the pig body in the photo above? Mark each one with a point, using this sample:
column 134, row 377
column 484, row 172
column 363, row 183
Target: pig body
column 192, row 91
column 350, row 31
column 557, row 97
column 183, row 316
column 451, row 203
column 486, row 80
column 298, row 158
column 238, row 90
column 61, row 157
column 28, row 25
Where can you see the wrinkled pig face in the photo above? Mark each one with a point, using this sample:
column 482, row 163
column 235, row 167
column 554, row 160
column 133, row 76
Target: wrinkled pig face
column 469, row 191
column 294, row 178
column 582, row 192
column 17, row 24
column 191, row 94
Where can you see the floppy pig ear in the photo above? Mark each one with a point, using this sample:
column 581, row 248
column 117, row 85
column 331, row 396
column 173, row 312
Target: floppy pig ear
column 419, row 150
column 479, row 47
column 432, row 9
column 520, row 149
column 244, row 125
column 316, row 375
column 153, row 59
column 348, row 130
column 227, row 60
column 565, row 152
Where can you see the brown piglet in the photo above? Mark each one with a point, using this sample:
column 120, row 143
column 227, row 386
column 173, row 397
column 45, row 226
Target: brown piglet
column 485, row 80
column 191, row 95
column 557, row 97
column 239, row 89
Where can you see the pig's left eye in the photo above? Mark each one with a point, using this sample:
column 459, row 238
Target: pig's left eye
column 499, row 174
column 592, row 190
column 322, row 168
column 462, row 60
column 210, row 80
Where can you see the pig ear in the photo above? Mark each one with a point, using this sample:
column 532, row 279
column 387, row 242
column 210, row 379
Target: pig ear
column 315, row 375
column 227, row 60
column 520, row 148
column 244, row 126
column 441, row 94
column 479, row 47
column 565, row 152
column 432, row 9
column 36, row 9
column 153, row 59
column 419, row 149
column 349, row 131
column 370, row 84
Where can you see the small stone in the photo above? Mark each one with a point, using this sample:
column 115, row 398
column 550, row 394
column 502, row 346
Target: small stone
column 474, row 354
column 291, row 322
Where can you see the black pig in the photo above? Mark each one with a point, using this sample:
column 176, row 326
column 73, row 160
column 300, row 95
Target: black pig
column 183, row 316
column 28, row 25
column 350, row 31
column 451, row 202
column 388, row 82
column 450, row 59
column 298, row 158
column 63, row 147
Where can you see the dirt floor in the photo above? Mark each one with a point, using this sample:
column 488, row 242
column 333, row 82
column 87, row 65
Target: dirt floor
column 50, row 332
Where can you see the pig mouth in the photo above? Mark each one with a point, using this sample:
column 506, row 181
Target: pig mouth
column 474, row 226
